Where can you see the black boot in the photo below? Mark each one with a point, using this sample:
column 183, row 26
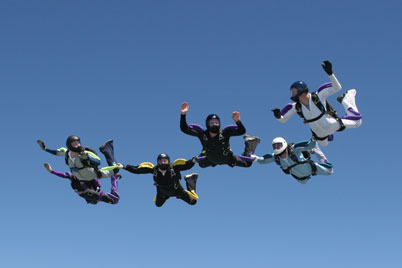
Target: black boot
column 108, row 151
column 191, row 181
column 251, row 143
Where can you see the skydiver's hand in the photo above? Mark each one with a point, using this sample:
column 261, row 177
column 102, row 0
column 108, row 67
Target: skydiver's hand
column 194, row 159
column 184, row 108
column 41, row 144
column 84, row 155
column 119, row 166
column 256, row 157
column 48, row 167
column 236, row 116
column 327, row 66
column 277, row 113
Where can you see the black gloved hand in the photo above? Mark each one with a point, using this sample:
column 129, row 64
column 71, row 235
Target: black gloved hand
column 277, row 113
column 327, row 66
column 41, row 144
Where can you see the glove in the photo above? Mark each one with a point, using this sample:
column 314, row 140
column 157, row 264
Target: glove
column 119, row 165
column 327, row 66
column 256, row 157
column 194, row 159
column 48, row 167
column 83, row 155
column 41, row 144
column 277, row 113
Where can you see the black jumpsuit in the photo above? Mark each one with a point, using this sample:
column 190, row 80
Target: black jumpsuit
column 217, row 149
column 167, row 184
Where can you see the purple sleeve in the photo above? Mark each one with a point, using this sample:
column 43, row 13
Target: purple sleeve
column 231, row 128
column 324, row 86
column 196, row 127
column 66, row 175
column 287, row 108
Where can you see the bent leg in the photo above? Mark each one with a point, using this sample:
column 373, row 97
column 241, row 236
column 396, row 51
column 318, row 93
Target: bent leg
column 352, row 119
column 319, row 154
column 160, row 198
column 108, row 151
column 113, row 197
column 242, row 161
column 186, row 197
column 203, row 162
column 324, row 169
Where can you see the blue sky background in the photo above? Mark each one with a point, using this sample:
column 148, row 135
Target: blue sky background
column 121, row 69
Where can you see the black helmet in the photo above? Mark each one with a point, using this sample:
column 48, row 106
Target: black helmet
column 214, row 129
column 160, row 157
column 301, row 88
column 70, row 140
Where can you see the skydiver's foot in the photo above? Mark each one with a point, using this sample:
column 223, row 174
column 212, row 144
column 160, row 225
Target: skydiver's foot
column 48, row 167
column 108, row 143
column 326, row 164
column 191, row 181
column 192, row 194
column 251, row 144
column 351, row 93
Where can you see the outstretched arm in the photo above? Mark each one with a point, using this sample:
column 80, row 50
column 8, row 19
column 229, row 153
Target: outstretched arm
column 60, row 152
column 182, row 164
column 65, row 175
column 144, row 168
column 328, row 89
column 304, row 146
column 286, row 113
column 266, row 159
column 192, row 130
column 236, row 130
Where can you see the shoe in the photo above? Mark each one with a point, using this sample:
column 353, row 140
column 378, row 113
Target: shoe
column 251, row 143
column 192, row 194
column 191, row 181
column 108, row 143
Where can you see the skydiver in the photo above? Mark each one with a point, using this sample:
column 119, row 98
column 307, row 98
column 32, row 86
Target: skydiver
column 167, row 178
column 90, row 190
column 294, row 159
column 83, row 161
column 215, row 141
column 316, row 110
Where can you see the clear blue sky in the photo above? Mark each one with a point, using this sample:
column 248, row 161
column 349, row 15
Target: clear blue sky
column 121, row 69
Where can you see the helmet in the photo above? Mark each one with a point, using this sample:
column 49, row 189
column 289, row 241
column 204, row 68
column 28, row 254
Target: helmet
column 301, row 88
column 70, row 140
column 214, row 129
column 160, row 165
column 279, row 144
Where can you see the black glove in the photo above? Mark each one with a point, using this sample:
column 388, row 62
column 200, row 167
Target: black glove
column 327, row 66
column 277, row 113
column 41, row 144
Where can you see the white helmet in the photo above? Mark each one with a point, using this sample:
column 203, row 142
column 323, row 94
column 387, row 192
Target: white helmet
column 279, row 144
